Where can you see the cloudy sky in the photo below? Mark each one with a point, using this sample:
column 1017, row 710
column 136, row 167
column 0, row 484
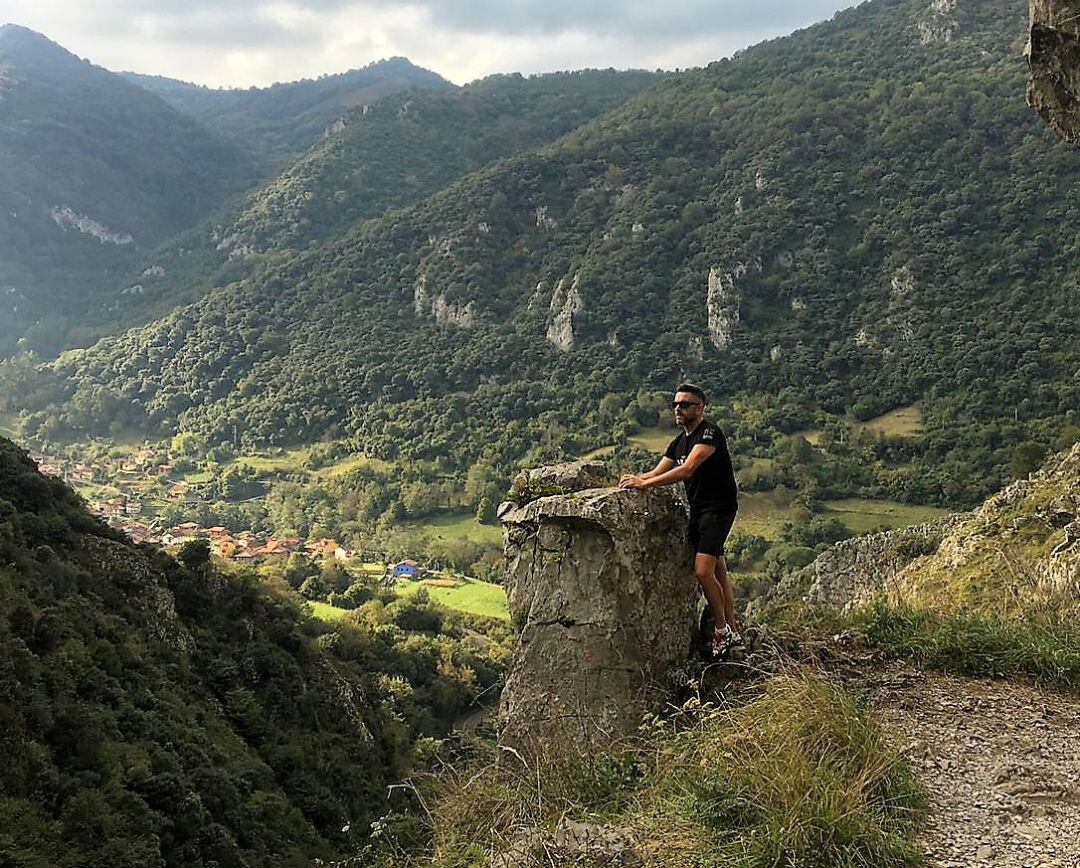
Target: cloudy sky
column 237, row 43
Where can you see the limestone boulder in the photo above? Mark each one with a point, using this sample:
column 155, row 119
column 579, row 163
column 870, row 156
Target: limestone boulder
column 601, row 591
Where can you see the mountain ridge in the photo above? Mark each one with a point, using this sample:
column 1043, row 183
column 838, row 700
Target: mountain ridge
column 93, row 169
column 282, row 120
column 800, row 228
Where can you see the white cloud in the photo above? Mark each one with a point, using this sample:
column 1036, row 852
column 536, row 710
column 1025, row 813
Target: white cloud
column 248, row 42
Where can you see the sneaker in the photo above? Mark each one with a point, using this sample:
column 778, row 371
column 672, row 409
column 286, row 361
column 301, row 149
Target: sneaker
column 721, row 641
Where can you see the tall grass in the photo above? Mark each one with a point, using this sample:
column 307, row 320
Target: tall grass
column 962, row 642
column 975, row 644
column 800, row 775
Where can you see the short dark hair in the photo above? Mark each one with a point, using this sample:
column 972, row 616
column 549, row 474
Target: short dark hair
column 693, row 390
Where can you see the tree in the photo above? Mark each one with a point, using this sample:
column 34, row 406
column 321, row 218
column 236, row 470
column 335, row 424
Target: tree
column 1026, row 459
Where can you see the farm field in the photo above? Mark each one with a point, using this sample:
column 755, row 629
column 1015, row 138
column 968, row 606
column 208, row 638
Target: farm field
column 295, row 460
column 902, row 422
column 653, row 439
column 461, row 594
column 862, row 516
column 466, row 595
column 456, row 525
column 764, row 513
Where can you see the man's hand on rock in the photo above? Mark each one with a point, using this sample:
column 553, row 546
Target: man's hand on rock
column 631, row 481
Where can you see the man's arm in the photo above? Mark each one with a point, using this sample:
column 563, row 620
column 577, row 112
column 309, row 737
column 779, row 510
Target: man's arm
column 662, row 466
column 667, row 472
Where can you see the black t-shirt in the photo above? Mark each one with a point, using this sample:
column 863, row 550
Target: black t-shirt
column 712, row 486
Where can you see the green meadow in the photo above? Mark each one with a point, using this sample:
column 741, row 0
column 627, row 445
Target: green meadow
column 456, row 525
column 459, row 593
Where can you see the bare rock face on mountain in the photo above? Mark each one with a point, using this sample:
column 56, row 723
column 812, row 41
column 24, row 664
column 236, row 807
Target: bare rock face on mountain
column 1054, row 57
column 600, row 587
column 855, row 570
column 1019, row 552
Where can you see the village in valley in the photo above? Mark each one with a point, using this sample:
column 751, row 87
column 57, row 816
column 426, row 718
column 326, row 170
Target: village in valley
column 127, row 491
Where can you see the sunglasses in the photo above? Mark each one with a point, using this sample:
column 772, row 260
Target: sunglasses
column 684, row 405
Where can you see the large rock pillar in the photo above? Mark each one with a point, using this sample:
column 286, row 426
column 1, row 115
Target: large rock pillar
column 1054, row 58
column 601, row 589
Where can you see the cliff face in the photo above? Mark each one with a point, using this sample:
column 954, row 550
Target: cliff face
column 600, row 586
column 855, row 570
column 1017, row 554
column 1054, row 56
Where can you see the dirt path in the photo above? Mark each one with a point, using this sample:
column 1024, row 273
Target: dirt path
column 1001, row 761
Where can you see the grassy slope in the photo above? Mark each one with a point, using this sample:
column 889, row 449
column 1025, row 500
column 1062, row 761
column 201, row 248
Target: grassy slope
column 798, row 775
column 997, row 598
column 462, row 594
column 454, row 525
column 1013, row 558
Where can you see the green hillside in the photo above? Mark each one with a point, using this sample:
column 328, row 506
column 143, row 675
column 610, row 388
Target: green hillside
column 384, row 155
column 94, row 171
column 285, row 119
column 158, row 713
column 854, row 219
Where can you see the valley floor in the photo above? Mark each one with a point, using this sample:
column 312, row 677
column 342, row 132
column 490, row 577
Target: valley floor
column 1001, row 762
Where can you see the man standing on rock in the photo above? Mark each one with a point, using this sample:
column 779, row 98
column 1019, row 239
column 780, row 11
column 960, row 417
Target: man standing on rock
column 699, row 458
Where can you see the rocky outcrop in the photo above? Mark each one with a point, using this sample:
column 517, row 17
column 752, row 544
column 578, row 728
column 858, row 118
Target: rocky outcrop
column 545, row 220
column 600, row 589
column 1053, row 53
column 436, row 305
column 1019, row 551
column 149, row 591
column 572, row 843
column 565, row 478
column 938, row 23
column 722, row 304
column 67, row 219
column 854, row 571
column 566, row 304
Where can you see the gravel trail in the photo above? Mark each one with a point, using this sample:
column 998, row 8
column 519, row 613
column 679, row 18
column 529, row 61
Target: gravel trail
column 1001, row 761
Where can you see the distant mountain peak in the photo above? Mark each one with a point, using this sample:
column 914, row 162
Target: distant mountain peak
column 15, row 34
column 26, row 46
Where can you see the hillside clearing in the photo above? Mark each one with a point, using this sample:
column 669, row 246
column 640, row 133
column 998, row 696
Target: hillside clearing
column 902, row 422
column 455, row 525
column 764, row 513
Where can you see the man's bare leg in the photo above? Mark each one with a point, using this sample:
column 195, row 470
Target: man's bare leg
column 723, row 580
column 706, row 570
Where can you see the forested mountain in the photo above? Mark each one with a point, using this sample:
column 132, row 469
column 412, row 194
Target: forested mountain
column 854, row 218
column 157, row 713
column 93, row 171
column 391, row 154
column 284, row 120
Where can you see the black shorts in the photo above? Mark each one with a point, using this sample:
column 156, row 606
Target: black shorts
column 709, row 531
